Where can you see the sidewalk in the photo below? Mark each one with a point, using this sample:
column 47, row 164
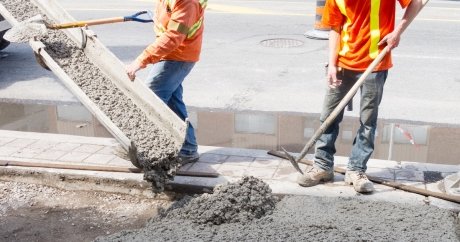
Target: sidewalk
column 230, row 163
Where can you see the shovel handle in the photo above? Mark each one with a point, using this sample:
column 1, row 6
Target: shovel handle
column 86, row 23
column 346, row 99
column 135, row 17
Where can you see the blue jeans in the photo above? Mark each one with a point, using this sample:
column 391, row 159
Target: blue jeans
column 363, row 144
column 165, row 80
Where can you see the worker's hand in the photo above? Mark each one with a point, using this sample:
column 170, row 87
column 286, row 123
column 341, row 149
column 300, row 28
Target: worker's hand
column 332, row 80
column 131, row 70
column 391, row 39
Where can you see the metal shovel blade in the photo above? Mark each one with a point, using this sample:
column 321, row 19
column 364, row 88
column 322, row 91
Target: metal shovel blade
column 24, row 31
column 292, row 160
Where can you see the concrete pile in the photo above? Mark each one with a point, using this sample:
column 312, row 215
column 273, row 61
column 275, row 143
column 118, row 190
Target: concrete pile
column 294, row 218
column 155, row 147
column 239, row 202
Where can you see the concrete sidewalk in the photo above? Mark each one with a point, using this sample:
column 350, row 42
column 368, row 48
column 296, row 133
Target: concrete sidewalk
column 230, row 163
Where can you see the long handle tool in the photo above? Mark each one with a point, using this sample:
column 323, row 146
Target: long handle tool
column 397, row 185
column 36, row 26
column 135, row 17
column 294, row 161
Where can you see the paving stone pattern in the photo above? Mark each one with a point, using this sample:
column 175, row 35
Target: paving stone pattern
column 228, row 162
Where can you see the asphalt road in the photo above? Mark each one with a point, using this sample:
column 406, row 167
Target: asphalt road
column 237, row 72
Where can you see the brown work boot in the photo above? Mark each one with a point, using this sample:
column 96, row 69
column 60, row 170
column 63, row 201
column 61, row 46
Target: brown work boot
column 359, row 181
column 315, row 175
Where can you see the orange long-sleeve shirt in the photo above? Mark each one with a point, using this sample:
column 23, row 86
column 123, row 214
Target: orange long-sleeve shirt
column 173, row 23
column 363, row 23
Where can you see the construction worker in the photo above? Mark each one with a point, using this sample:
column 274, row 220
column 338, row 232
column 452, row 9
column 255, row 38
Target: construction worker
column 179, row 32
column 359, row 30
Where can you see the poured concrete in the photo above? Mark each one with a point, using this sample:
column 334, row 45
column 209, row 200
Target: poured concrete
column 155, row 147
column 300, row 218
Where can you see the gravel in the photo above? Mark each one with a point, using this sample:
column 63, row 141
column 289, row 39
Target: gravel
column 31, row 212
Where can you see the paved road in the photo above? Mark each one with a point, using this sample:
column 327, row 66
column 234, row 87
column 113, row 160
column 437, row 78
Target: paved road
column 237, row 72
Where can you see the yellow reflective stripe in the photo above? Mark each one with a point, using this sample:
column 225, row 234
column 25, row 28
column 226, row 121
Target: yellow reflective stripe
column 346, row 35
column 375, row 28
column 204, row 3
column 159, row 29
column 181, row 28
column 170, row 3
column 195, row 28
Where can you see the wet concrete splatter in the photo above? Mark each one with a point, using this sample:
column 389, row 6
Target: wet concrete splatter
column 295, row 218
column 155, row 147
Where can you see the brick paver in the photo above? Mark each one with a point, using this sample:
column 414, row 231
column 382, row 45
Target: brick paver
column 74, row 157
column 100, row 159
column 27, row 152
column 21, row 143
column 5, row 140
column 265, row 162
column 239, row 160
column 213, row 158
column 204, row 167
column 261, row 172
column 7, row 151
column 65, row 146
column 51, row 155
column 232, row 170
column 85, row 148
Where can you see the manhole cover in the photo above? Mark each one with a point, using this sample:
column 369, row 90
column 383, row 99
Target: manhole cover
column 281, row 43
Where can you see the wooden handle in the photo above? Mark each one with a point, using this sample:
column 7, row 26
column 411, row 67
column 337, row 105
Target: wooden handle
column 346, row 99
column 86, row 23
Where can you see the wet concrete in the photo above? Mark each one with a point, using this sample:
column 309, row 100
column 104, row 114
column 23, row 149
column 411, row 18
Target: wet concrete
column 303, row 218
column 155, row 147
column 239, row 202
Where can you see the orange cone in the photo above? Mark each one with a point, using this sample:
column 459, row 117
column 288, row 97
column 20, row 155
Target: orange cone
column 320, row 31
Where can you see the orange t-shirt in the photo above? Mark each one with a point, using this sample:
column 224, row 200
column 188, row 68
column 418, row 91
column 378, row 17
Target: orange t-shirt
column 173, row 18
column 363, row 23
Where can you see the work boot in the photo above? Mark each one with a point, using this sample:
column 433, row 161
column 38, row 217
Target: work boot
column 185, row 159
column 359, row 181
column 315, row 175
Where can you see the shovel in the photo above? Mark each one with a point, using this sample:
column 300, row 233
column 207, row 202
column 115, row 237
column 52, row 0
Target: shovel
column 36, row 26
column 294, row 161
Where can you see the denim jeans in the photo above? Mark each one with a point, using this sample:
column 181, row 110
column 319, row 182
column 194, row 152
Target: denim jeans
column 165, row 80
column 363, row 144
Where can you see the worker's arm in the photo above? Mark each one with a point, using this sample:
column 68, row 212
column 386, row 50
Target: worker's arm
column 183, row 16
column 334, row 42
column 393, row 38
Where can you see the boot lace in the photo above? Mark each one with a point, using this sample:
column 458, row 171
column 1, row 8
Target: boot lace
column 361, row 176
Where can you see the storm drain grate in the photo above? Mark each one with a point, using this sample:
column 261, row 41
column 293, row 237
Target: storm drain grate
column 281, row 43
